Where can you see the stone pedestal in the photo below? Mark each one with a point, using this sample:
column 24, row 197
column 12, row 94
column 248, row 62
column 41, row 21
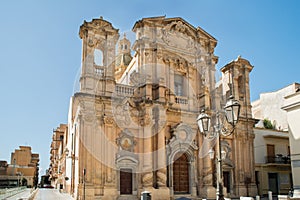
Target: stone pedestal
column 194, row 191
column 209, row 192
column 159, row 194
column 110, row 194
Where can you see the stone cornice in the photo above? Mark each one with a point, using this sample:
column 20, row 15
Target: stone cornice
column 97, row 25
column 240, row 62
column 162, row 21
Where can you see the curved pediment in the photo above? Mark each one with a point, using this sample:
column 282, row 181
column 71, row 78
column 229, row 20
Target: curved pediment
column 181, row 63
column 127, row 159
column 174, row 24
column 183, row 134
column 98, row 25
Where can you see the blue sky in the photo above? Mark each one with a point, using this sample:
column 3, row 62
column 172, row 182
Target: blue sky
column 40, row 53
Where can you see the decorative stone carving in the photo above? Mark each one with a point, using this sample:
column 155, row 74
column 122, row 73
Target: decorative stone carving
column 88, row 117
column 137, row 78
column 126, row 141
column 99, row 120
column 91, row 42
column 182, row 141
column 207, row 180
column 99, row 25
column 242, row 176
column 181, row 66
column 226, row 147
column 207, row 176
column 121, row 114
column 108, row 120
column 109, row 178
column 180, row 27
column 148, row 56
column 178, row 35
column 178, row 48
column 147, row 179
column 145, row 120
column 141, row 116
column 161, row 124
column 161, row 177
column 191, row 44
column 183, row 133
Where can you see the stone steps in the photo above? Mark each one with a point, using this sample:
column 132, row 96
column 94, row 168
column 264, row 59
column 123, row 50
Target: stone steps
column 127, row 197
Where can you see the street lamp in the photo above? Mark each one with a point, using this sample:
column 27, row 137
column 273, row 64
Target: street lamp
column 203, row 122
column 232, row 112
column 18, row 174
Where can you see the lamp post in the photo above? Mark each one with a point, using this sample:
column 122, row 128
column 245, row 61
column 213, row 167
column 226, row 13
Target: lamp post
column 232, row 112
column 84, row 173
column 18, row 174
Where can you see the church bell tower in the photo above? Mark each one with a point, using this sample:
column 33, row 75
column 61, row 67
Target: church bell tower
column 99, row 40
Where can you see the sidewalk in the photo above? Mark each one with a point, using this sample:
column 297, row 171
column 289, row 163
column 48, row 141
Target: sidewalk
column 51, row 194
column 25, row 194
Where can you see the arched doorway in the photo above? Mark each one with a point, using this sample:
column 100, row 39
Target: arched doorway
column 181, row 174
column 126, row 181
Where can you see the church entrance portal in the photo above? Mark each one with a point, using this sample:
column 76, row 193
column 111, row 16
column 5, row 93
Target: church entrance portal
column 126, row 181
column 181, row 174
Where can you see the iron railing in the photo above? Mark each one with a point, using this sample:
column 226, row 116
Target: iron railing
column 278, row 159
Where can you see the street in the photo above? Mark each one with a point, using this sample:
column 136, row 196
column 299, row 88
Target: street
column 51, row 194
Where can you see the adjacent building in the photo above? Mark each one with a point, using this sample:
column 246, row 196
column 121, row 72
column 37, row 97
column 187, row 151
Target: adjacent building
column 58, row 153
column 272, row 161
column 292, row 108
column 132, row 124
column 22, row 170
column 274, row 142
column 269, row 105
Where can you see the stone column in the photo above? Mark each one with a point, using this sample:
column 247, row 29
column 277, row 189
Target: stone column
column 161, row 173
column 206, row 169
column 171, row 81
column 209, row 190
column 146, row 126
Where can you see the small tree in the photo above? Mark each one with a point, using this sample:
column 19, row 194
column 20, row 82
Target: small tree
column 268, row 124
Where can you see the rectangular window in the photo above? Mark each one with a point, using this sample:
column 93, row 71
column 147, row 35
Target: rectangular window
column 271, row 150
column 179, row 88
column 270, row 153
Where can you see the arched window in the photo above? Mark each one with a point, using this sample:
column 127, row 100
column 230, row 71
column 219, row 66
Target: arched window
column 98, row 57
column 179, row 85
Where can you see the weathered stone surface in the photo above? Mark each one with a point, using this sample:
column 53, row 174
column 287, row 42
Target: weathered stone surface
column 145, row 113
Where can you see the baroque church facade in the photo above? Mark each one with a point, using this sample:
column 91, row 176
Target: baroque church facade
column 132, row 124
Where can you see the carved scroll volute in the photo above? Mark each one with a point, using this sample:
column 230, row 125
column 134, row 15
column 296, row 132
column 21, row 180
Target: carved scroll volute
column 147, row 179
column 161, row 177
column 108, row 120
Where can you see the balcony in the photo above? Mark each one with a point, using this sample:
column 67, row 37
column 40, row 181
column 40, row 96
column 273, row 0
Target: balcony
column 124, row 90
column 278, row 159
column 181, row 100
